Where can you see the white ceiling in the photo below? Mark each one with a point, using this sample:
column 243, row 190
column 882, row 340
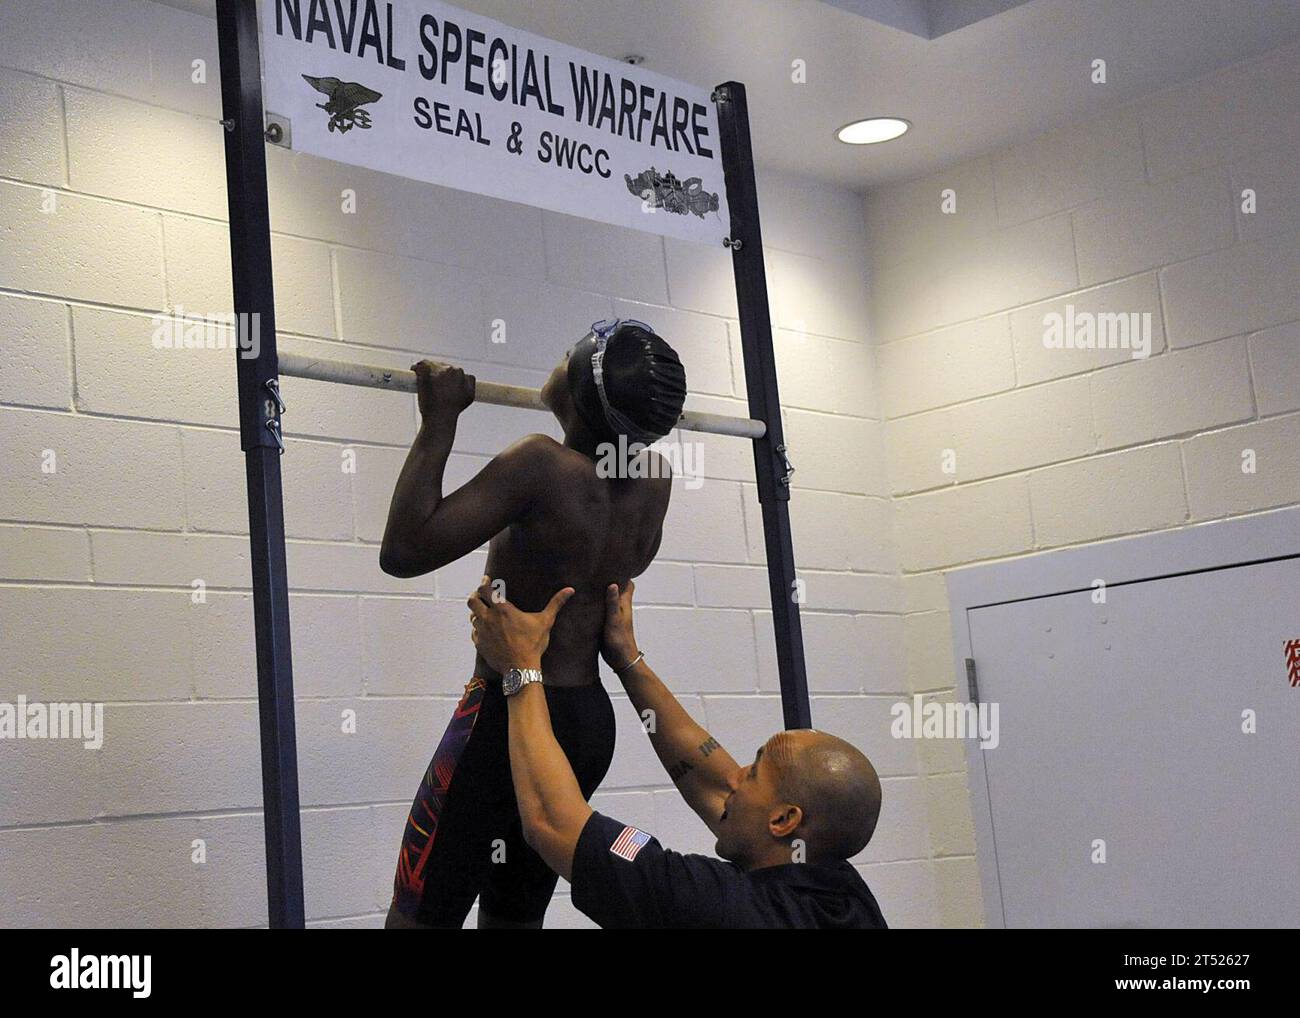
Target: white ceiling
column 1013, row 74
column 927, row 18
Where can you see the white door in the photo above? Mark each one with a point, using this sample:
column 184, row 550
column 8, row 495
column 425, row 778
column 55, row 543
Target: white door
column 1122, row 723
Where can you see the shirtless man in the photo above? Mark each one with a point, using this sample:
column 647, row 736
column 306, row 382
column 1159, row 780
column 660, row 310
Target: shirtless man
column 553, row 522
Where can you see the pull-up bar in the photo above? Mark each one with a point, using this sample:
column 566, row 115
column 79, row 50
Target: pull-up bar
column 347, row 373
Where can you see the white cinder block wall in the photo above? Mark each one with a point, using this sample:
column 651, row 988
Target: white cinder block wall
column 1138, row 211
column 101, row 558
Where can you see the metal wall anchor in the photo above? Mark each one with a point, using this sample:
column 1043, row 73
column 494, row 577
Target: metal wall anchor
column 273, row 426
column 789, row 467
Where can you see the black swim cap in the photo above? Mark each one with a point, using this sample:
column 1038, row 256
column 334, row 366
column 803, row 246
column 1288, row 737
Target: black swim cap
column 626, row 380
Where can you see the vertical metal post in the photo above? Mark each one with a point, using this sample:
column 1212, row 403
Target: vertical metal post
column 770, row 463
column 259, row 434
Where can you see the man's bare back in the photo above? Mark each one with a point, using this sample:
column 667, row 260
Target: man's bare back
column 551, row 520
column 588, row 532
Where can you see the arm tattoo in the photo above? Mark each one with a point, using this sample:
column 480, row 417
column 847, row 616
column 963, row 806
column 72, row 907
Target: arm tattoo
column 679, row 770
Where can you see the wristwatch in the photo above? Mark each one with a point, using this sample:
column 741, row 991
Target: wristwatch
column 517, row 678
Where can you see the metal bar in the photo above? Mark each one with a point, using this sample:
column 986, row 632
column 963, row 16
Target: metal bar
column 347, row 373
column 770, row 465
column 259, row 432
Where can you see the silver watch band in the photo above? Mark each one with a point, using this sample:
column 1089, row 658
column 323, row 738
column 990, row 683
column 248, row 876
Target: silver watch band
column 518, row 678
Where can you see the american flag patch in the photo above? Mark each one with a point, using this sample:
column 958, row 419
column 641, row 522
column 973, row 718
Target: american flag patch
column 629, row 843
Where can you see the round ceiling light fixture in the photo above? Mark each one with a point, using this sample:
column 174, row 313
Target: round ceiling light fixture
column 873, row 130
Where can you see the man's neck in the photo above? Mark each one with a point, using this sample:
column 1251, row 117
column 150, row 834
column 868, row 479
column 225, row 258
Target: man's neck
column 579, row 438
column 777, row 855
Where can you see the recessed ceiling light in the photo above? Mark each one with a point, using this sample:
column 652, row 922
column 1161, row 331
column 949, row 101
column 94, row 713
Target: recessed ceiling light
column 872, row 131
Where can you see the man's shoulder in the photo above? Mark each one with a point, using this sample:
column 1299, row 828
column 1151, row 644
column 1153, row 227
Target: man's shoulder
column 655, row 464
column 652, row 472
column 829, row 895
column 622, row 876
column 543, row 457
column 537, row 445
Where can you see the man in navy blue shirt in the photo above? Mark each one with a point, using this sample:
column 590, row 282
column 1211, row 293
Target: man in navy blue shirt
column 786, row 824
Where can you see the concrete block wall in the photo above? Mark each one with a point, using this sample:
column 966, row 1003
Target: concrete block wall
column 1142, row 210
column 112, row 211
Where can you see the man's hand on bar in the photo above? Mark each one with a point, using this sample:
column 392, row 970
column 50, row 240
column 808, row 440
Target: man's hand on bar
column 443, row 391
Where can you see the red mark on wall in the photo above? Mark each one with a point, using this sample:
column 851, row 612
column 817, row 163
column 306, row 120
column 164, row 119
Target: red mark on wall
column 1293, row 661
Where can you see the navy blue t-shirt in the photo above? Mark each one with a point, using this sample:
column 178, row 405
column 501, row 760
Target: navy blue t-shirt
column 624, row 879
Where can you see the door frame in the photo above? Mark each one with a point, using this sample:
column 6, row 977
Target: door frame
column 1218, row 544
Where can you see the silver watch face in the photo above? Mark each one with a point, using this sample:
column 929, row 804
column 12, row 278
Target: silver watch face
column 512, row 682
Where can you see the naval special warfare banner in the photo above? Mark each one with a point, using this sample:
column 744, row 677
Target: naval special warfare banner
column 425, row 90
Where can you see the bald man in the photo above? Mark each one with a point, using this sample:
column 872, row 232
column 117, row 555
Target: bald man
column 786, row 824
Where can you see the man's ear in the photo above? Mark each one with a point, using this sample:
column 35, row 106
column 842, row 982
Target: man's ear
column 784, row 820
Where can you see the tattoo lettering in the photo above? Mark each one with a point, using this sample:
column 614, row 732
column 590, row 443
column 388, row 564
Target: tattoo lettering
column 708, row 746
column 679, row 769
